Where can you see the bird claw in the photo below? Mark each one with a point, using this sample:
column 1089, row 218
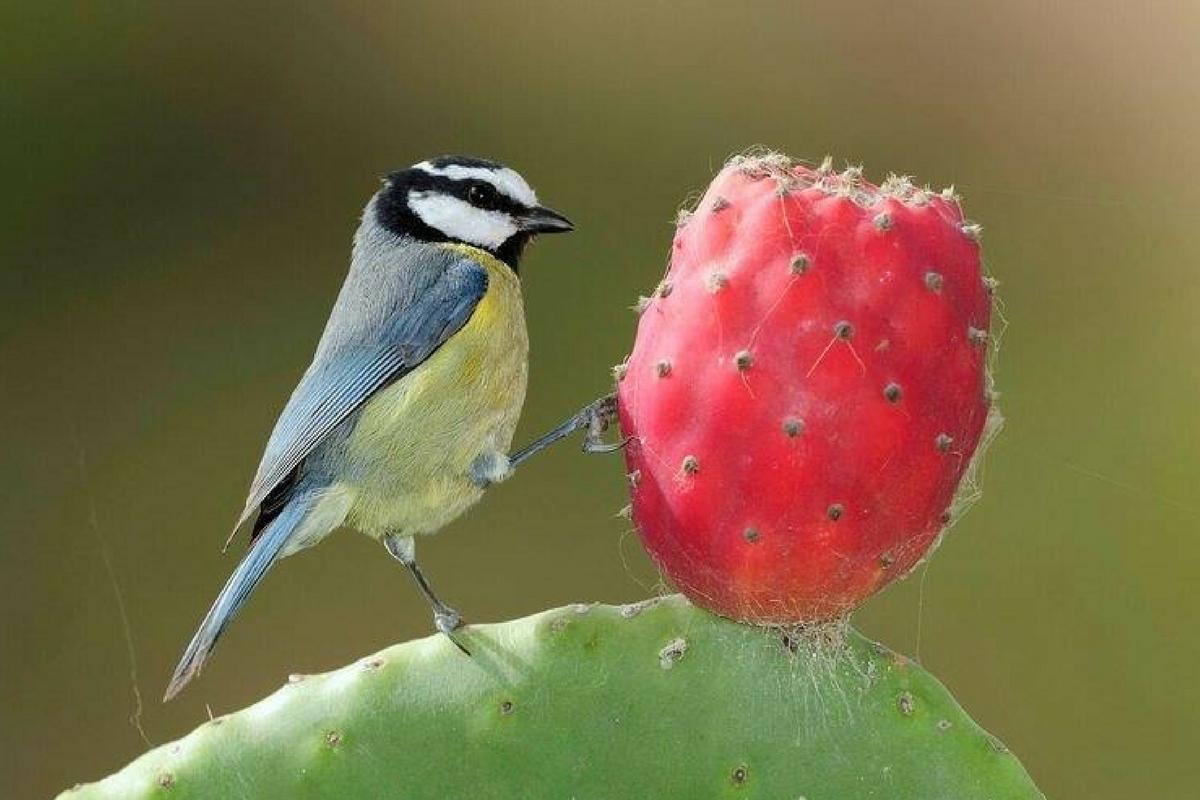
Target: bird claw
column 594, row 445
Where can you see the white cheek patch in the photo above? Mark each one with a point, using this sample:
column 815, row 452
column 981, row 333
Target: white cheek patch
column 506, row 181
column 460, row 220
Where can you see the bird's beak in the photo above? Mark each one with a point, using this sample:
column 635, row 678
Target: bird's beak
column 543, row 220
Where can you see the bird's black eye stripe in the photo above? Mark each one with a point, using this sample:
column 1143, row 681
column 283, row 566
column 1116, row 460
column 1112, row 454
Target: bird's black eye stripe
column 483, row 195
column 480, row 194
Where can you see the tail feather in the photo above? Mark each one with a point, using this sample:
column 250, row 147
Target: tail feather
column 265, row 551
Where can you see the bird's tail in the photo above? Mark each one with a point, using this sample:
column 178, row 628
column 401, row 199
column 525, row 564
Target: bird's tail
column 265, row 551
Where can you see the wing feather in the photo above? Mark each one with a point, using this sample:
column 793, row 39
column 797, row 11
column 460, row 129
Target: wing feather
column 344, row 375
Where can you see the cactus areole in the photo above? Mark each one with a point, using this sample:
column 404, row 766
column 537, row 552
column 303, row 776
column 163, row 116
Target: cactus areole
column 807, row 388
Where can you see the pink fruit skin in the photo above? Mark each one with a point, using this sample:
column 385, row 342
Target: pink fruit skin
column 806, row 389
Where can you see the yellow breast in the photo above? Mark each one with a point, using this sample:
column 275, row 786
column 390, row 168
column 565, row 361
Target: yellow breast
column 417, row 439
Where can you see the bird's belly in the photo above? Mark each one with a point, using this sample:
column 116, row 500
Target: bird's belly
column 414, row 443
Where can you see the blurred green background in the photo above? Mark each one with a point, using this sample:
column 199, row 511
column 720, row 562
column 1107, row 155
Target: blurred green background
column 180, row 184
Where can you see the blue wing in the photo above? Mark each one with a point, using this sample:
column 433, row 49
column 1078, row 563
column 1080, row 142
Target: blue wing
column 381, row 329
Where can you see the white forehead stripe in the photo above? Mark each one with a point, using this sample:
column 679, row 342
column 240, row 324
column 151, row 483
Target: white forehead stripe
column 461, row 220
column 505, row 180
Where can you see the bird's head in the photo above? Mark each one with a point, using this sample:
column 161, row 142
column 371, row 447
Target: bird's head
column 468, row 201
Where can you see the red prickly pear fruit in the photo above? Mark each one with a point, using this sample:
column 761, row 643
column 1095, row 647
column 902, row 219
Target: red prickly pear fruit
column 826, row 391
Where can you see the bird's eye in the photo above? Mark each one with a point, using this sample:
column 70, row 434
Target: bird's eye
column 481, row 196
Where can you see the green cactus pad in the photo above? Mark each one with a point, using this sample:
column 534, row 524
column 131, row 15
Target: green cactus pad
column 655, row 700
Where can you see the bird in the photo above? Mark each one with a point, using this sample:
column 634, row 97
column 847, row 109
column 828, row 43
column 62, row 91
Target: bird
column 409, row 406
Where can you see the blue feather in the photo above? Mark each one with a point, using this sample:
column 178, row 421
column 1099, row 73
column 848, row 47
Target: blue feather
column 266, row 549
column 352, row 365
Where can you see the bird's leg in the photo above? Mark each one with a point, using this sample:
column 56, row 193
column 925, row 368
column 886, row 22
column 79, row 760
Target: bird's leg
column 445, row 618
column 594, row 417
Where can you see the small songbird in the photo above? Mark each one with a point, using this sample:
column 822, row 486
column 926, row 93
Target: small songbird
column 408, row 409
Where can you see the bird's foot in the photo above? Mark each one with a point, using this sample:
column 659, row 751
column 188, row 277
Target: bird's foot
column 593, row 419
column 447, row 621
column 599, row 415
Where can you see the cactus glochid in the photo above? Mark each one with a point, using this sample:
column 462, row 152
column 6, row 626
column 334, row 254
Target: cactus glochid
column 817, row 374
column 655, row 700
